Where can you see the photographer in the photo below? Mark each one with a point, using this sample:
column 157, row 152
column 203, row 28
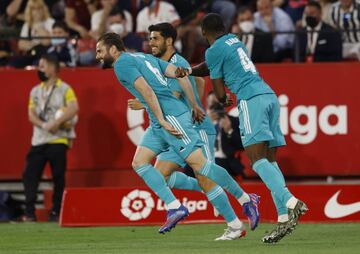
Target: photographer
column 228, row 142
column 52, row 112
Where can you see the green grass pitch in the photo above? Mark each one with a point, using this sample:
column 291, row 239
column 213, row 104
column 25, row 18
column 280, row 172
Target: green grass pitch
column 47, row 238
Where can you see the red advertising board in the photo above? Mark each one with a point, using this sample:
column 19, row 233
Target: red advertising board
column 140, row 206
column 319, row 115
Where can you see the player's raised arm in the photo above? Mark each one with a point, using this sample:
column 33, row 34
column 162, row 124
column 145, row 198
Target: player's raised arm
column 186, row 86
column 200, row 70
column 151, row 100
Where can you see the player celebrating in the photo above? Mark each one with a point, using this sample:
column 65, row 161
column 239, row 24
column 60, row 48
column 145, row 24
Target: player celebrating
column 227, row 62
column 142, row 75
column 162, row 38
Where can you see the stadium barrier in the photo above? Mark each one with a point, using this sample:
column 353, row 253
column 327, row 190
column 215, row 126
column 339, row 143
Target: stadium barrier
column 140, row 206
column 319, row 115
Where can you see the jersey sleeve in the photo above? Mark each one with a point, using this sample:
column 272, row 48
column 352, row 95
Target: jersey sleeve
column 214, row 61
column 163, row 65
column 70, row 95
column 126, row 71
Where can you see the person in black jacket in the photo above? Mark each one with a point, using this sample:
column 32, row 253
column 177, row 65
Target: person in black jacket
column 258, row 43
column 228, row 141
column 319, row 42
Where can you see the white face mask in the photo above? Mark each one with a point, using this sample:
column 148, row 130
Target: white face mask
column 117, row 28
column 247, row 26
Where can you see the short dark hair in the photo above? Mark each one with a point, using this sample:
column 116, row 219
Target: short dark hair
column 314, row 4
column 61, row 24
column 117, row 11
column 52, row 59
column 112, row 39
column 213, row 23
column 244, row 9
column 166, row 30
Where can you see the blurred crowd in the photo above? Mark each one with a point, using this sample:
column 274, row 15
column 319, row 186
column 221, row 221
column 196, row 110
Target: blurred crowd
column 272, row 30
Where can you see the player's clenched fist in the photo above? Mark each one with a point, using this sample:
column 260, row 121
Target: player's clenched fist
column 135, row 104
column 182, row 72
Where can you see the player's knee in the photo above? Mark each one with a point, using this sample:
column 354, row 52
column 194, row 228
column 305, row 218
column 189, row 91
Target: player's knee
column 137, row 163
column 205, row 183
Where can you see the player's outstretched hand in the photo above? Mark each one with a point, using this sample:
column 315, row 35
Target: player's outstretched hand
column 198, row 114
column 135, row 104
column 181, row 72
column 169, row 128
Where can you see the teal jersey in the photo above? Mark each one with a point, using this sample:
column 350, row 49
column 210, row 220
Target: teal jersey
column 228, row 59
column 129, row 67
column 174, row 85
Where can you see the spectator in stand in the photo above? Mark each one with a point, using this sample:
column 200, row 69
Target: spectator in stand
column 62, row 48
column 156, row 11
column 116, row 22
column 319, row 42
column 226, row 9
column 228, row 142
column 295, row 9
column 37, row 23
column 78, row 15
column 345, row 15
column 52, row 134
column 5, row 52
column 258, row 43
column 273, row 19
column 98, row 18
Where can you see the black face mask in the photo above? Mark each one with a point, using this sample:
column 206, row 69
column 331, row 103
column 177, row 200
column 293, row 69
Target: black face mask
column 311, row 21
column 42, row 76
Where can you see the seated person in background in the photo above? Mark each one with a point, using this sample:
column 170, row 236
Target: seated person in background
column 62, row 48
column 98, row 18
column 78, row 15
column 116, row 22
column 15, row 12
column 345, row 14
column 259, row 44
column 37, row 23
column 228, row 142
column 273, row 19
column 319, row 42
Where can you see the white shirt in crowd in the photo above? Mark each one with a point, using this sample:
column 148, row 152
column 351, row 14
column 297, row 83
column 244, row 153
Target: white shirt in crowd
column 165, row 13
column 47, row 24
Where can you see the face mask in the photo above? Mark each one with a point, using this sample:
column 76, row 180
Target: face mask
column 246, row 26
column 117, row 28
column 42, row 76
column 58, row 41
column 311, row 21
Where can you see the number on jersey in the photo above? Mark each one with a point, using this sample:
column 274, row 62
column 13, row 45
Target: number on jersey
column 246, row 63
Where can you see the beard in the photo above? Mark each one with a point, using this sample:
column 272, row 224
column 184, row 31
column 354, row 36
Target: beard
column 108, row 62
column 161, row 51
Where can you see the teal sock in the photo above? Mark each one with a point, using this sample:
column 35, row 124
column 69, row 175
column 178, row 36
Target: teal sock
column 220, row 176
column 272, row 179
column 280, row 207
column 179, row 180
column 220, row 201
column 156, row 182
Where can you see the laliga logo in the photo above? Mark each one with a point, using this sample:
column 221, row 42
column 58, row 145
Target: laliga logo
column 137, row 205
column 305, row 133
column 135, row 119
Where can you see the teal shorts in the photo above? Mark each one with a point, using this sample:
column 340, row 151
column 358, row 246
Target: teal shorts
column 259, row 121
column 159, row 140
column 207, row 149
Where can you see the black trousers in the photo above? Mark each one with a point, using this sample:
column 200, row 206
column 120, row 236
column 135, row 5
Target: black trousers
column 36, row 160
